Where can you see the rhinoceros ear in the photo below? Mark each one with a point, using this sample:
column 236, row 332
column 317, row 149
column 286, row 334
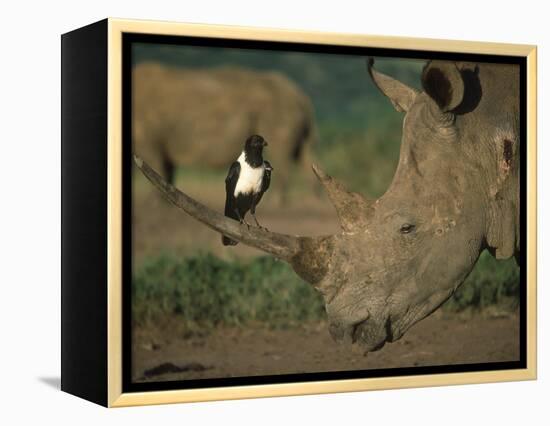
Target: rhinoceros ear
column 443, row 82
column 400, row 95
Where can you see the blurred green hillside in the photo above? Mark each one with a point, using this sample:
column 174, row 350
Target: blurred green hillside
column 338, row 85
column 359, row 131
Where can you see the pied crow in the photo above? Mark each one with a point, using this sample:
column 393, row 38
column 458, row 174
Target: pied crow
column 248, row 178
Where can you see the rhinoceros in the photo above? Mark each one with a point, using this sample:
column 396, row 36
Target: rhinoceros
column 185, row 117
column 455, row 193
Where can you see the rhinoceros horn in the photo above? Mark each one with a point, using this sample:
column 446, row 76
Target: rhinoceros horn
column 400, row 95
column 352, row 208
column 309, row 256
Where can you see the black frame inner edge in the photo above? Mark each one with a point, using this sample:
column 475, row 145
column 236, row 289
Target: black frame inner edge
column 128, row 386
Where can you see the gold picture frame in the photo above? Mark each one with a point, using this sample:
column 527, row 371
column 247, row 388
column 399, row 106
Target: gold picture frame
column 114, row 30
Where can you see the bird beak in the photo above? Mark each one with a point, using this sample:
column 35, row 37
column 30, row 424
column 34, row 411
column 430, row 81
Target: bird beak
column 265, row 143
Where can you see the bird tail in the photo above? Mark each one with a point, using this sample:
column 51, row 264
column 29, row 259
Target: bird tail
column 226, row 241
column 229, row 212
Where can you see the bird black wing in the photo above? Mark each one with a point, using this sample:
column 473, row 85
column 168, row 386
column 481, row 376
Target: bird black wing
column 266, row 181
column 230, row 203
column 230, row 185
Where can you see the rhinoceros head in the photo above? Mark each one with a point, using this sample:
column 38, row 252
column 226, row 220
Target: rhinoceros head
column 454, row 193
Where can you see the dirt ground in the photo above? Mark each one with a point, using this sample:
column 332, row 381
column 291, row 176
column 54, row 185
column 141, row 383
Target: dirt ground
column 165, row 353
column 438, row 340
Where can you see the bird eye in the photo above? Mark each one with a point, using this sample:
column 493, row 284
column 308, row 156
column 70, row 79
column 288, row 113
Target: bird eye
column 407, row 228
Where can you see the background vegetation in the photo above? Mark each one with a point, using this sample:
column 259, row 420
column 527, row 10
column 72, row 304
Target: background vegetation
column 205, row 291
column 358, row 127
column 359, row 142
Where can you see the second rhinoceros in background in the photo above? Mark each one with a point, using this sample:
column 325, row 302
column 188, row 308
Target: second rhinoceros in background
column 201, row 117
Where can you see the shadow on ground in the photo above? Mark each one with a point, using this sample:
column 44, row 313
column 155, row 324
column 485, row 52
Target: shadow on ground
column 53, row 382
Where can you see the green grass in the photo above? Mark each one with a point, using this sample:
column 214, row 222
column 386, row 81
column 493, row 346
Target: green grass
column 491, row 283
column 205, row 291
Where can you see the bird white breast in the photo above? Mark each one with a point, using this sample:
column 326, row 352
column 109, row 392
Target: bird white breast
column 250, row 179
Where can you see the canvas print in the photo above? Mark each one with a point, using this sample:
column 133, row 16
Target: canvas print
column 307, row 212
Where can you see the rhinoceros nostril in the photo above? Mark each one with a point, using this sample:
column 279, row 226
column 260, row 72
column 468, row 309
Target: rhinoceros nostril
column 389, row 331
column 345, row 332
column 356, row 330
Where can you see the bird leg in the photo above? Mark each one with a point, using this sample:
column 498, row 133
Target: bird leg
column 241, row 219
column 257, row 223
column 253, row 213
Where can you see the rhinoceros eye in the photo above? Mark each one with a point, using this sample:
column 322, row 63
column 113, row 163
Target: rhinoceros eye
column 406, row 228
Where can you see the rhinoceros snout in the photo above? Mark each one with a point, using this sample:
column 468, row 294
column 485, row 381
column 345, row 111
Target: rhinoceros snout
column 365, row 335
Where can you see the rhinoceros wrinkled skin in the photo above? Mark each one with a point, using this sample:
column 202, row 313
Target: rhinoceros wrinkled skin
column 190, row 117
column 455, row 193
